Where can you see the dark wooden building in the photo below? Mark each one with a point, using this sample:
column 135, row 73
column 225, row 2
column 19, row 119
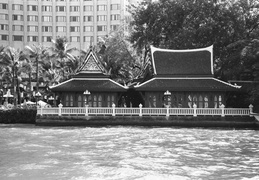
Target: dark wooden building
column 182, row 78
column 92, row 78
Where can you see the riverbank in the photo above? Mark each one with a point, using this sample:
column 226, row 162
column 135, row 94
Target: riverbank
column 161, row 121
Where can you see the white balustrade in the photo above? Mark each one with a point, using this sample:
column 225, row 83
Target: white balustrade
column 144, row 111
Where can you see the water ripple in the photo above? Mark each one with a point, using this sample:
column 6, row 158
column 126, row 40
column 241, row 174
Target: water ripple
column 29, row 152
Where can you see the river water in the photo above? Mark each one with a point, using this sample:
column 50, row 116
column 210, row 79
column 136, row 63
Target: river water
column 130, row 153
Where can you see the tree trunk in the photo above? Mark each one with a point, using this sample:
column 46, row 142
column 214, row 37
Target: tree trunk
column 18, row 89
column 14, row 89
column 30, row 91
column 37, row 74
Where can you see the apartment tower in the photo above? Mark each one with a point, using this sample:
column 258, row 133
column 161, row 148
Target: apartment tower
column 27, row 22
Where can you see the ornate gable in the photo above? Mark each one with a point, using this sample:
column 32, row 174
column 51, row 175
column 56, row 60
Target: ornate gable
column 92, row 64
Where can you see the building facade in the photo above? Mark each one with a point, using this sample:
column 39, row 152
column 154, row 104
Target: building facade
column 181, row 79
column 27, row 22
column 91, row 86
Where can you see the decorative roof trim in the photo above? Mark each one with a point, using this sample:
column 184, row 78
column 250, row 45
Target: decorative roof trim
column 97, row 62
column 61, row 83
column 235, row 86
column 92, row 79
column 209, row 48
column 139, row 85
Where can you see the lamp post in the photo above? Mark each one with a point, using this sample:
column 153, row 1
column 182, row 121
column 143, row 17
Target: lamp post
column 167, row 95
column 7, row 95
column 86, row 94
column 51, row 99
column 37, row 95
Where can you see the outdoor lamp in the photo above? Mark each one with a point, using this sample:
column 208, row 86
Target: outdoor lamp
column 37, row 95
column 51, row 99
column 167, row 94
column 86, row 93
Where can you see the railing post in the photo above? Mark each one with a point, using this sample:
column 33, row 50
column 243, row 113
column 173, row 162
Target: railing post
column 167, row 110
column 113, row 109
column 194, row 110
column 59, row 109
column 86, row 110
column 41, row 111
column 140, row 109
column 222, row 106
column 251, row 110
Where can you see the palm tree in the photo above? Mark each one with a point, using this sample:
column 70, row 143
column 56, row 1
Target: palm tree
column 62, row 55
column 38, row 53
column 10, row 61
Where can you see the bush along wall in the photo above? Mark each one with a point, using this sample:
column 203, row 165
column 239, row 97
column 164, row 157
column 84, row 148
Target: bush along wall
column 18, row 116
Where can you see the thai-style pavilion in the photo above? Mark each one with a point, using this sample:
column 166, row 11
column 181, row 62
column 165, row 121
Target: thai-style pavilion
column 178, row 78
column 92, row 86
column 182, row 78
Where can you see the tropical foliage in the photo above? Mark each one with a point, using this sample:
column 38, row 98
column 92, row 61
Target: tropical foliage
column 232, row 27
column 185, row 24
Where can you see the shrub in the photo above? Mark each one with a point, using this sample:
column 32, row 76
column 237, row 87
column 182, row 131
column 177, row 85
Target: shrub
column 18, row 115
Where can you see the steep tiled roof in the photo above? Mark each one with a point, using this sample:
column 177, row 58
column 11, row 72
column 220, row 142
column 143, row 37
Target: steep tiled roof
column 185, row 84
column 91, row 84
column 195, row 62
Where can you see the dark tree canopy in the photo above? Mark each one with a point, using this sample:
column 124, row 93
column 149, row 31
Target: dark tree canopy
column 186, row 24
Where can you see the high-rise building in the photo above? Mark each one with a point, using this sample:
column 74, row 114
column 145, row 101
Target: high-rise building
column 27, row 22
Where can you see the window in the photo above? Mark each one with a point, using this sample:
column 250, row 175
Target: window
column 217, row 101
column 80, row 100
column 3, row 6
column 4, row 27
column 74, row 18
column 32, row 28
column 32, row 18
column 88, row 28
column 74, row 28
column 32, row 38
column 46, row 28
column 114, row 27
column 96, row 100
column 46, row 18
column 74, row 8
column 88, row 39
column 4, row 37
column 110, row 100
column 152, row 100
column 88, row 8
column 88, row 18
column 17, row 38
column 61, row 19
column 32, row 8
column 46, row 8
column 74, row 39
column 17, row 28
column 18, row 7
column 46, row 38
column 4, row 16
column 69, row 100
column 115, row 6
column 17, row 17
column 61, row 8
column 101, row 8
column 101, row 18
column 115, row 17
column 101, row 28
column 61, row 29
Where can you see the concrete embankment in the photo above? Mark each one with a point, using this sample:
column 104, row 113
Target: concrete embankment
column 240, row 122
